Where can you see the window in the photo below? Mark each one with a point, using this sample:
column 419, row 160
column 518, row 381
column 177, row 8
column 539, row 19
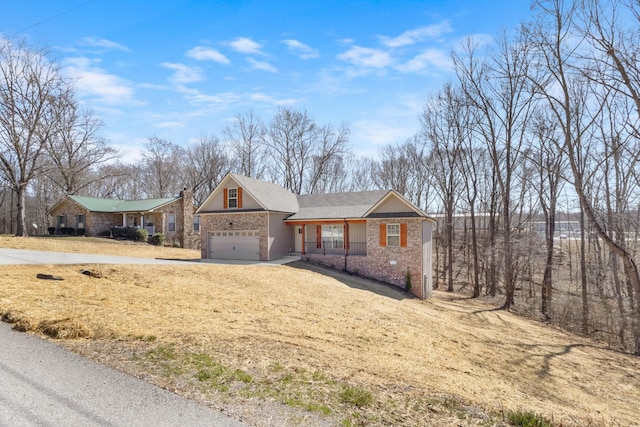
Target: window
column 333, row 236
column 62, row 221
column 233, row 198
column 80, row 221
column 172, row 222
column 393, row 234
column 196, row 223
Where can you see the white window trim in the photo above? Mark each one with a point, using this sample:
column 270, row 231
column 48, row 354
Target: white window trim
column 234, row 198
column 390, row 235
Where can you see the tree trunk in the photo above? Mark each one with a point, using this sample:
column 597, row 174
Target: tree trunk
column 21, row 217
column 583, row 276
column 547, row 280
column 450, row 244
column 474, row 249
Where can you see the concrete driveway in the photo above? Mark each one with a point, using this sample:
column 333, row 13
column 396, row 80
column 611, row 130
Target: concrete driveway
column 24, row 256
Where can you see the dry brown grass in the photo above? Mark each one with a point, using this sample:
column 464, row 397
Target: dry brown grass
column 302, row 338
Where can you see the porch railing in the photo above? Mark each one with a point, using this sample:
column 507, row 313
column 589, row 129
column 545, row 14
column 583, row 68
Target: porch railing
column 355, row 248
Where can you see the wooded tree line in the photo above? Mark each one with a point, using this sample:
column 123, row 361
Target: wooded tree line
column 542, row 121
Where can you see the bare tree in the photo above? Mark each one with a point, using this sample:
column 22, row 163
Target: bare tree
column 32, row 91
column 117, row 180
column 76, row 148
column 393, row 169
column 499, row 89
column 330, row 147
column 203, row 166
column 160, row 167
column 245, row 137
column 361, row 171
column 291, row 139
column 445, row 138
column 551, row 167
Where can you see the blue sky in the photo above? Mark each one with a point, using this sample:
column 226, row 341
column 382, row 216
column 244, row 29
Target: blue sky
column 180, row 69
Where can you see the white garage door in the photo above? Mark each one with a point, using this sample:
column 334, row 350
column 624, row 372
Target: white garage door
column 236, row 244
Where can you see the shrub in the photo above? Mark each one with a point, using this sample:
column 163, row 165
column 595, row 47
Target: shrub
column 157, row 239
column 407, row 281
column 527, row 419
column 51, row 230
column 81, row 231
column 175, row 244
column 129, row 233
column 356, row 396
column 68, row 231
column 141, row 235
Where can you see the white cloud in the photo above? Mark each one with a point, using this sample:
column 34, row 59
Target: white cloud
column 207, row 54
column 261, row 65
column 417, row 35
column 301, row 49
column 366, row 57
column 287, row 101
column 431, row 57
column 170, row 125
column 183, row 73
column 197, row 97
column 102, row 43
column 379, row 133
column 479, row 40
column 96, row 83
column 259, row 96
column 245, row 45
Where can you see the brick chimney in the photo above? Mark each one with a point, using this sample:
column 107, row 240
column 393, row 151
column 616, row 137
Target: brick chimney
column 186, row 237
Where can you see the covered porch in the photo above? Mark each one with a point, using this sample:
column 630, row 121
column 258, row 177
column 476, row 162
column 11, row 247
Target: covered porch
column 152, row 222
column 331, row 237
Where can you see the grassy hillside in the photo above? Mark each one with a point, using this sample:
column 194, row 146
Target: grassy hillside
column 286, row 345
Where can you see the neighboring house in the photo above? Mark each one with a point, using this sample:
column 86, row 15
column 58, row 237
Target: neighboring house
column 376, row 234
column 173, row 216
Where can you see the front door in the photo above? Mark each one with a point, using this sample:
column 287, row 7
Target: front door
column 298, row 239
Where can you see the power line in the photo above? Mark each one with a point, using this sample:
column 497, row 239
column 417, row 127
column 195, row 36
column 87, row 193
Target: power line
column 53, row 17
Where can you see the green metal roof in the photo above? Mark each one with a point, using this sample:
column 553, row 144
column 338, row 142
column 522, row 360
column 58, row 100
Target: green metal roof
column 95, row 204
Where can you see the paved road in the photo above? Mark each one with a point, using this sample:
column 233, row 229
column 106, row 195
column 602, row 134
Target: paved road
column 24, row 256
column 42, row 384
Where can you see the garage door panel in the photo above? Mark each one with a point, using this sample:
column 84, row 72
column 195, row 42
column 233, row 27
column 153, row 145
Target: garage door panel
column 222, row 245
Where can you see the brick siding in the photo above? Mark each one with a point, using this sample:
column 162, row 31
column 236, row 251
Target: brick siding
column 377, row 264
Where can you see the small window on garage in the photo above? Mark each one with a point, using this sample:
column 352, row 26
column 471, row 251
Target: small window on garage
column 196, row 223
column 233, row 198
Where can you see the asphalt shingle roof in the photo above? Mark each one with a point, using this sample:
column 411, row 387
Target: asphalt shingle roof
column 271, row 196
column 336, row 205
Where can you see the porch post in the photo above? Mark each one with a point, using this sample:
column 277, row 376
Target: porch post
column 303, row 245
column 346, row 237
column 124, row 219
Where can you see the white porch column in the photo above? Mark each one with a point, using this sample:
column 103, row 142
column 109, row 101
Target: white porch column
column 124, row 219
